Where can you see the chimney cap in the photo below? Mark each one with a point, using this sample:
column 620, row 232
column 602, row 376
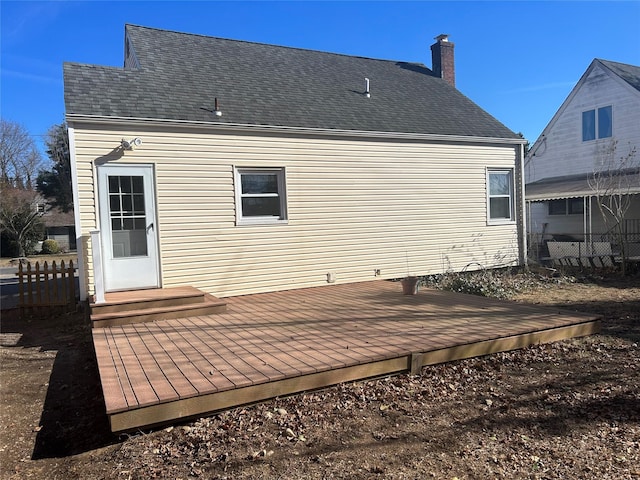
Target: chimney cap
column 443, row 37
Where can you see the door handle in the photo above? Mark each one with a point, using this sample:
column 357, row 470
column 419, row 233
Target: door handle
column 150, row 227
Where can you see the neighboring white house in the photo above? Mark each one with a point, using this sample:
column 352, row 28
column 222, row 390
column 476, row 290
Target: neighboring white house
column 238, row 167
column 594, row 133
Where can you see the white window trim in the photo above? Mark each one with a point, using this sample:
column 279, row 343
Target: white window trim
column 596, row 111
column 512, row 190
column 282, row 193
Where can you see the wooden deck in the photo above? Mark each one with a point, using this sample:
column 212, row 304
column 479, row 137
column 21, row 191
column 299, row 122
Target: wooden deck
column 273, row 344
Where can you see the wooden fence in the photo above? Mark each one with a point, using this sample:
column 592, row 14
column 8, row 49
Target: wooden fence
column 46, row 290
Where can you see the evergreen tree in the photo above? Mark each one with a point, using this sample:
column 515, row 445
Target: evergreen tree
column 55, row 184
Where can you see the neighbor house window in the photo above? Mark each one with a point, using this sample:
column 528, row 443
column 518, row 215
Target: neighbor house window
column 597, row 123
column 500, row 196
column 566, row 206
column 260, row 195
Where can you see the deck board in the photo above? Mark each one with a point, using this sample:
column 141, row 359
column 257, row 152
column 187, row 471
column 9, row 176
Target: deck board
column 194, row 360
column 175, row 347
column 172, row 378
column 120, row 373
column 108, row 372
column 222, row 370
column 270, row 340
column 279, row 343
column 131, row 352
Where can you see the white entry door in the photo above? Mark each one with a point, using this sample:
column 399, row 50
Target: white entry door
column 128, row 227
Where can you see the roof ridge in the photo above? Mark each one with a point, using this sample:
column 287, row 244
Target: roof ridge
column 602, row 60
column 101, row 67
column 249, row 42
column 626, row 72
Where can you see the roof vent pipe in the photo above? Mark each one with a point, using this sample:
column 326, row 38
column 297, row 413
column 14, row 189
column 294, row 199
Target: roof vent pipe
column 216, row 110
column 367, row 93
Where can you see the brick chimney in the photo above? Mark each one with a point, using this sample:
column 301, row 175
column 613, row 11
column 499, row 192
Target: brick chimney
column 442, row 59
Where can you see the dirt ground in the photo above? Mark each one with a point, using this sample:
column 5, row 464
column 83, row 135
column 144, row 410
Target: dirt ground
column 566, row 410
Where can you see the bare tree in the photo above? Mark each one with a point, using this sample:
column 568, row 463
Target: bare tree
column 613, row 179
column 20, row 218
column 19, row 157
column 20, row 161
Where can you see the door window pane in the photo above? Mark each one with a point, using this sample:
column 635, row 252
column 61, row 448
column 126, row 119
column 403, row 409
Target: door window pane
column 127, row 205
column 138, row 204
column 128, row 224
column 114, row 200
column 138, row 184
column 114, row 185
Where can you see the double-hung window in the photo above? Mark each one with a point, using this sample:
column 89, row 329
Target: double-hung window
column 260, row 196
column 500, row 197
column 597, row 123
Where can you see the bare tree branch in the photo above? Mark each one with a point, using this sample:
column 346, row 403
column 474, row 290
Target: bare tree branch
column 19, row 157
column 614, row 177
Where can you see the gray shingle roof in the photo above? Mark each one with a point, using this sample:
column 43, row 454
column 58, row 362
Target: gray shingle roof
column 181, row 74
column 629, row 73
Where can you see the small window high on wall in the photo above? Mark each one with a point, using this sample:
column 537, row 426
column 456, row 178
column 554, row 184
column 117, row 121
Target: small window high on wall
column 597, row 123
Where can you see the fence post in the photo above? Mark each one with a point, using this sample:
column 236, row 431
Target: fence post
column 21, row 289
column 47, row 288
column 54, row 272
column 72, row 286
column 29, row 285
column 63, row 283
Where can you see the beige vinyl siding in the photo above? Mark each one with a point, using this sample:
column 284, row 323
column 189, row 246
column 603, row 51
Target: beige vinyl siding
column 353, row 206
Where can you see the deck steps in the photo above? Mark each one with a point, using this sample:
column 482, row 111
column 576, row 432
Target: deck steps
column 123, row 308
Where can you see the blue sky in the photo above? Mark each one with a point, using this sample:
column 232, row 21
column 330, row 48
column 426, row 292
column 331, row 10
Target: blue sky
column 518, row 60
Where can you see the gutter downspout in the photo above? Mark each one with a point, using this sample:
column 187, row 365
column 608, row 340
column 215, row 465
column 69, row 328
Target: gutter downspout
column 527, row 204
column 522, row 225
column 589, row 203
column 586, row 240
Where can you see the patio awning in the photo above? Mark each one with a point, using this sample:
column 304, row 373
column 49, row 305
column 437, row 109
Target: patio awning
column 576, row 186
